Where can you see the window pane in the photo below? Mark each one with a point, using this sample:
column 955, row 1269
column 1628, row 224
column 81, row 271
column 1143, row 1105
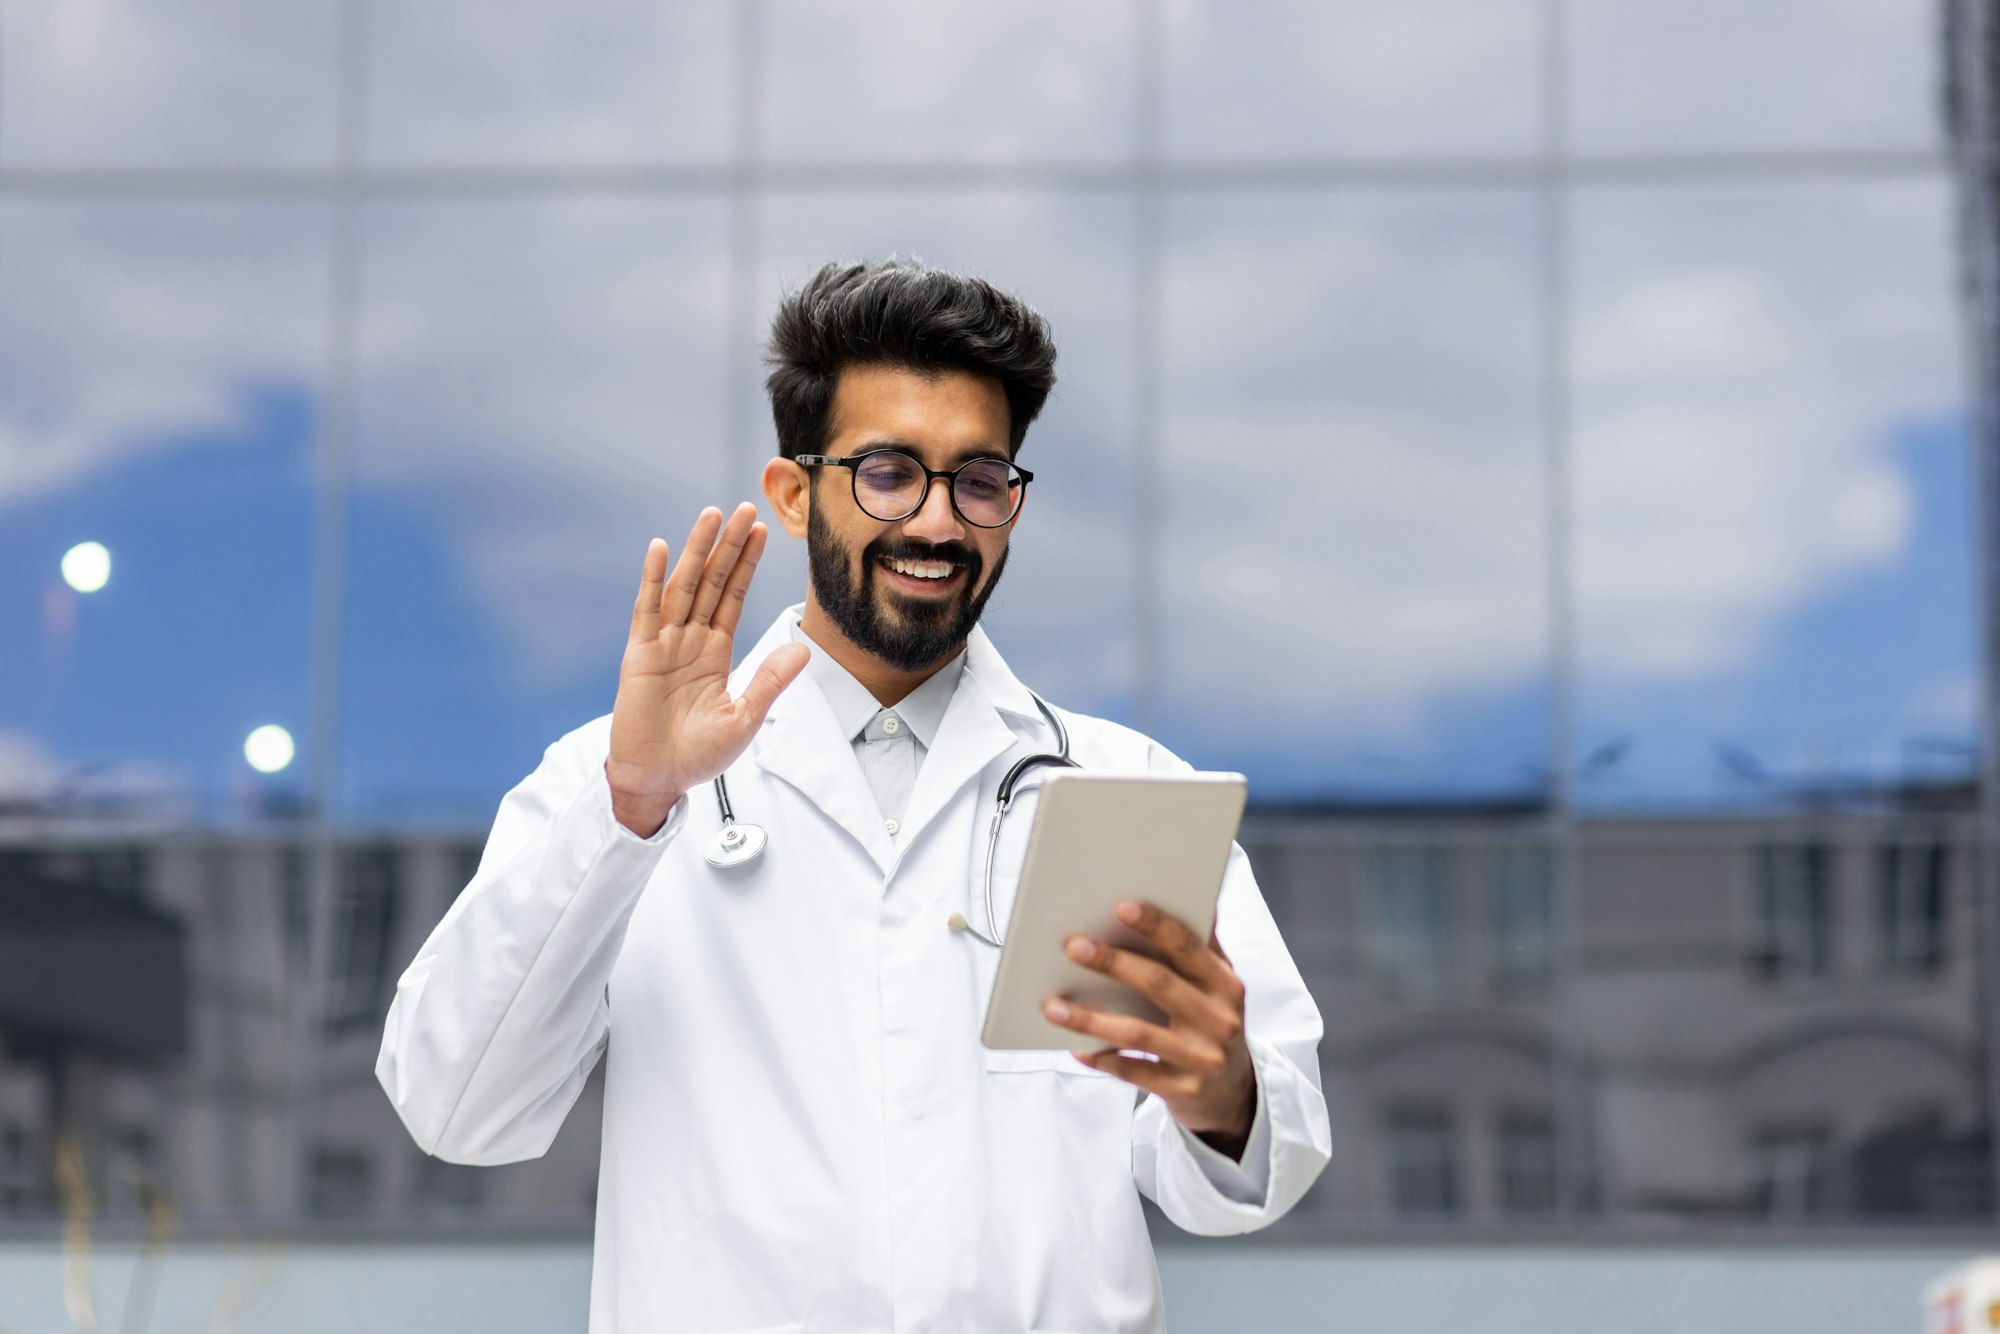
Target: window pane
column 1746, row 1057
column 948, row 81
column 220, row 83
column 1354, row 582
column 453, row 81
column 159, row 396
column 1774, row 541
column 541, row 393
column 1436, row 1060
column 146, row 989
column 1352, row 78
column 1680, row 76
column 1063, row 615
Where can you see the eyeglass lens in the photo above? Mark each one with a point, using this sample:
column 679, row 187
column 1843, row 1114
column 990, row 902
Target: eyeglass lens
column 890, row 486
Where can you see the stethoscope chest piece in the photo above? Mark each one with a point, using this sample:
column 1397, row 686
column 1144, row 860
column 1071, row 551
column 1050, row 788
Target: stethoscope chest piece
column 735, row 845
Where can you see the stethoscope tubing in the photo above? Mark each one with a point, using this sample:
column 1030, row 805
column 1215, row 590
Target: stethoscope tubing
column 740, row 843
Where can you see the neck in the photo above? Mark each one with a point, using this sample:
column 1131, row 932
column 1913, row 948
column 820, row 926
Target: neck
column 889, row 685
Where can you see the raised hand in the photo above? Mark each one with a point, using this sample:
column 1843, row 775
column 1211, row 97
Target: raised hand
column 674, row 725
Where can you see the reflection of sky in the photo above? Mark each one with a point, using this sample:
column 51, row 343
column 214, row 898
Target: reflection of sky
column 201, row 634
column 1772, row 528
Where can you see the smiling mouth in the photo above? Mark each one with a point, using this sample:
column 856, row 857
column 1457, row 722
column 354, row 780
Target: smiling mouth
column 922, row 576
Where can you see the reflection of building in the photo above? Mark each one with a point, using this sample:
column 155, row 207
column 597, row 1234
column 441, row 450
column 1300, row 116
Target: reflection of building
column 1778, row 1017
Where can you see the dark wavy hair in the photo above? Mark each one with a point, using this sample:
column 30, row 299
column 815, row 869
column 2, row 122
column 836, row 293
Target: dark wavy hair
column 900, row 313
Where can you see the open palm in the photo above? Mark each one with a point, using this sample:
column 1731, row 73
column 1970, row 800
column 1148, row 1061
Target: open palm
column 674, row 725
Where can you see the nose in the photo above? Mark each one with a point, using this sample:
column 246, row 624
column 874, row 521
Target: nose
column 935, row 519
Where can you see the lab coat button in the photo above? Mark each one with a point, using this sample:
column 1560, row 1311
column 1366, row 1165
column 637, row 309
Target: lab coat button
column 892, row 827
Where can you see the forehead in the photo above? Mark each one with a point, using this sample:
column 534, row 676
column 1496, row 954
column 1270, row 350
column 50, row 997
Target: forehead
column 941, row 417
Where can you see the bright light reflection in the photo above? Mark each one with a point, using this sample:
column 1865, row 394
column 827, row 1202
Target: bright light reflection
column 86, row 567
column 269, row 748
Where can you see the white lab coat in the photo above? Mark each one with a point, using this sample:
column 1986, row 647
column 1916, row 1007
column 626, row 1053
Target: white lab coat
column 802, row 1130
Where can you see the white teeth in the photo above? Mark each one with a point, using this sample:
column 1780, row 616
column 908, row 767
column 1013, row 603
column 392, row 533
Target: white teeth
column 920, row 569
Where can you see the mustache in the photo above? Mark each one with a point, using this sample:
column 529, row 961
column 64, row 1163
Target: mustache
column 903, row 548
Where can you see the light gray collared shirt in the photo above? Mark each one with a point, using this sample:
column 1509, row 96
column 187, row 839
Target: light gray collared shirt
column 889, row 743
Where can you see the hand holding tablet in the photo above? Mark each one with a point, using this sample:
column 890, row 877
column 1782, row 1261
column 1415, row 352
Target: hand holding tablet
column 1099, row 839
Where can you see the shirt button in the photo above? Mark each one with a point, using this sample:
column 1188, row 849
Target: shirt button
column 892, row 827
column 891, row 725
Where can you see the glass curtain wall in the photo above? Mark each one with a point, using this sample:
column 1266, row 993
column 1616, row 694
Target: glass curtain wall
column 1528, row 437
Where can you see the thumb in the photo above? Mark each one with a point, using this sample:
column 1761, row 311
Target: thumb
column 777, row 671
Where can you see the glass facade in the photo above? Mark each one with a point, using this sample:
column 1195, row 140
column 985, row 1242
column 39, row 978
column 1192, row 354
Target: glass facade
column 1529, row 438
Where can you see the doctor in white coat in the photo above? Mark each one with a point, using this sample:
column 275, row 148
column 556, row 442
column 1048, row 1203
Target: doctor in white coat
column 802, row 1130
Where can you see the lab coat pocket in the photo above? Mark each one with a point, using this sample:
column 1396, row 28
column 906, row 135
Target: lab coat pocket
column 1031, row 1062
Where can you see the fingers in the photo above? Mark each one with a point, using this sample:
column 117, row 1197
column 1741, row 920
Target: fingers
column 646, row 611
column 1199, row 961
column 1151, row 978
column 1123, row 1032
column 731, row 609
column 721, row 564
column 779, row 670
column 685, row 582
column 1152, row 1076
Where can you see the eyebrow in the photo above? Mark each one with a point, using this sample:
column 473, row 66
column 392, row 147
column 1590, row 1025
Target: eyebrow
column 963, row 456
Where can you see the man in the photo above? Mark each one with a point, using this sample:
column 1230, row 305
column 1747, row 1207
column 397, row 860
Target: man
column 802, row 1130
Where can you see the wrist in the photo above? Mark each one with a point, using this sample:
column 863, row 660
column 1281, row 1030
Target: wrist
column 1231, row 1141
column 642, row 811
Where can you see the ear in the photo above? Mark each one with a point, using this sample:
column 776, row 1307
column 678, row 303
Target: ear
column 788, row 489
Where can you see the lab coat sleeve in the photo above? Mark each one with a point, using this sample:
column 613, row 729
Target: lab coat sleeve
column 1199, row 1189
column 496, row 1025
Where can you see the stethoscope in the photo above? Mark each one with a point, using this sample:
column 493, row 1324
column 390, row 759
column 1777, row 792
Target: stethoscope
column 740, row 843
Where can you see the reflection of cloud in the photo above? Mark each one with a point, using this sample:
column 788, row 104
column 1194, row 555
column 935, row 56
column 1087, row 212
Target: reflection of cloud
column 549, row 378
column 1945, row 706
column 1299, row 77
column 1355, row 524
column 27, row 771
column 949, row 80
column 604, row 81
column 110, row 82
column 1687, row 326
column 137, row 323
column 1700, row 75
column 1745, row 360
column 1351, row 429
column 32, row 779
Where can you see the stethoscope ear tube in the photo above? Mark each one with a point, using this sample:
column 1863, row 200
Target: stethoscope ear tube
column 740, row 844
column 1004, row 799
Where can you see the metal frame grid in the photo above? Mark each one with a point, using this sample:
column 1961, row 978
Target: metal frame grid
column 1972, row 38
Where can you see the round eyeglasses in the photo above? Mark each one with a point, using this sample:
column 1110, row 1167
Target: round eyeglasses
column 890, row 484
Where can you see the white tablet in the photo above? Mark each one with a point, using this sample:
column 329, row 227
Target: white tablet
column 1099, row 838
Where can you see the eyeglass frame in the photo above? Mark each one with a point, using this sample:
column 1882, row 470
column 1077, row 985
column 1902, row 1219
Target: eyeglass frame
column 852, row 462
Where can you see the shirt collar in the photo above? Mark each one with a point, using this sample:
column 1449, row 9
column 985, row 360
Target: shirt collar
column 854, row 707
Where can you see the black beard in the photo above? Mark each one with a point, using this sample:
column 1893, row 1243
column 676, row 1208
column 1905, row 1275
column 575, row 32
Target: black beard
column 924, row 633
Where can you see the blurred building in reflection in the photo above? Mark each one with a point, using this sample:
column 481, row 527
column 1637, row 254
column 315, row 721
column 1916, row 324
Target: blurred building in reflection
column 1778, row 1018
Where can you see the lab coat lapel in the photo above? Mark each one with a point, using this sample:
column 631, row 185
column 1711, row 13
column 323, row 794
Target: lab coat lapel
column 972, row 734
column 800, row 743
